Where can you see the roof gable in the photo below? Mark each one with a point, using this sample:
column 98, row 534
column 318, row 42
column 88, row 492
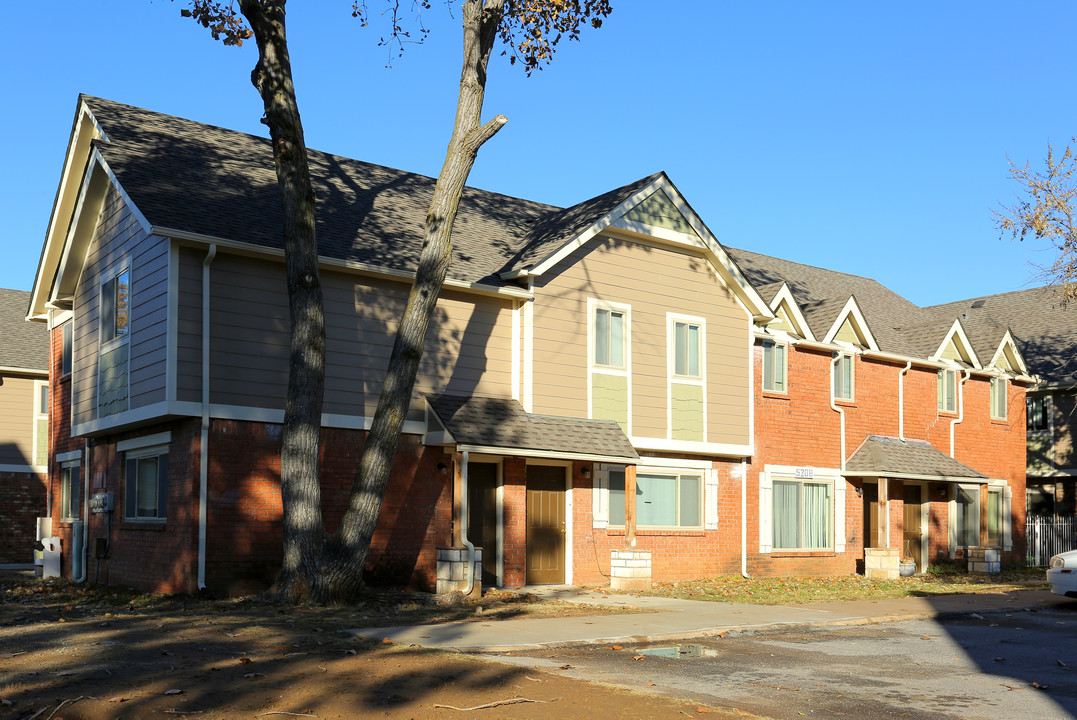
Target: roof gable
column 851, row 327
column 788, row 317
column 658, row 211
column 1008, row 357
column 956, row 347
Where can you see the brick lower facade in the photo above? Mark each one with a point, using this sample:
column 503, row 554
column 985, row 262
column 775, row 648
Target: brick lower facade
column 22, row 501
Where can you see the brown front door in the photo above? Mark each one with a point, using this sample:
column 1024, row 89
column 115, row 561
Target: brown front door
column 913, row 528
column 482, row 515
column 872, row 527
column 545, row 550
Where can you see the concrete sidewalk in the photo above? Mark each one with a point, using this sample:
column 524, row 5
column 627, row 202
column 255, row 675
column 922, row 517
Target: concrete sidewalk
column 669, row 619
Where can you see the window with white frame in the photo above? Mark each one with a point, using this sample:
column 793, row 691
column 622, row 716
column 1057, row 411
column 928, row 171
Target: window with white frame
column 842, row 368
column 671, row 499
column 947, row 391
column 687, row 348
column 996, row 503
column 1038, row 413
column 999, row 388
column 41, row 423
column 146, row 484
column 966, row 515
column 802, row 514
column 70, row 491
column 610, row 337
column 774, row 366
column 116, row 306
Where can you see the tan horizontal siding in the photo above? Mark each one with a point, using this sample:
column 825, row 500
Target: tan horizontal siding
column 17, row 421
column 467, row 348
column 653, row 281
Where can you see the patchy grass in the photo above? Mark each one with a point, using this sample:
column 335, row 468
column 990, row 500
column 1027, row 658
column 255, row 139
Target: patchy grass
column 802, row 590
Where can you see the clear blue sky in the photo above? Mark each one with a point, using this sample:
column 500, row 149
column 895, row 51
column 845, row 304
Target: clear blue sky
column 865, row 137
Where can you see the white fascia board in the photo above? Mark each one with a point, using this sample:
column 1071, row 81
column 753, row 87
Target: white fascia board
column 1007, row 341
column 545, row 454
column 68, row 456
column 349, row 265
column 852, row 310
column 786, row 295
column 84, row 129
column 691, row 447
column 8, row 370
column 913, row 476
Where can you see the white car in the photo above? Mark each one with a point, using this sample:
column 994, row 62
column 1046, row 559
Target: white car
column 1062, row 574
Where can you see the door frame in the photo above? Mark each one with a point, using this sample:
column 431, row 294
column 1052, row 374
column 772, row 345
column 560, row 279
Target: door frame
column 500, row 509
column 925, row 517
column 567, row 465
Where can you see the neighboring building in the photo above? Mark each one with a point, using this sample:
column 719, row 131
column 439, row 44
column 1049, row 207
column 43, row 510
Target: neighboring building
column 1046, row 333
column 591, row 380
column 24, row 426
column 926, row 409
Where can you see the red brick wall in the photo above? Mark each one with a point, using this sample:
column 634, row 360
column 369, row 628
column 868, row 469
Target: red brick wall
column 60, row 441
column 22, row 501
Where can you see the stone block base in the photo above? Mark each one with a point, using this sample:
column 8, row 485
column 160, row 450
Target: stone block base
column 985, row 560
column 630, row 569
column 452, row 571
column 881, row 563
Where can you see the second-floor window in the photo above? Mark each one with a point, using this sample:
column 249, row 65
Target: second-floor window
column 115, row 306
column 70, row 491
column 1037, row 412
column 686, row 349
column 65, row 352
column 773, row 367
column 843, row 377
column 609, row 338
column 947, row 391
column 999, row 387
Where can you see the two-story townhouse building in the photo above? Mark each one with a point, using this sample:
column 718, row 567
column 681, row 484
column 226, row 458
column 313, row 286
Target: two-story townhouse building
column 587, row 410
column 879, row 424
column 24, row 426
column 1045, row 329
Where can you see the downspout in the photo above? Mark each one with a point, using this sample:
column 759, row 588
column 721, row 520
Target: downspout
column 838, row 410
column 463, row 526
column 965, row 374
column 203, row 442
column 744, row 518
column 86, row 510
column 901, row 400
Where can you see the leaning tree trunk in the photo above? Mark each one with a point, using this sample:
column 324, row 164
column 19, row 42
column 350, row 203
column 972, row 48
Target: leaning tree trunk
column 303, row 532
column 481, row 21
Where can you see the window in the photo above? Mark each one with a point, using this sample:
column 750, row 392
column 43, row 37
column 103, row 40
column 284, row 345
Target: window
column 802, row 515
column 115, row 306
column 65, row 353
column 947, row 391
column 995, row 521
column 146, row 484
column 662, row 500
column 999, row 387
column 967, row 516
column 773, row 367
column 70, row 491
column 686, row 349
column 843, row 377
column 1037, row 413
column 609, row 337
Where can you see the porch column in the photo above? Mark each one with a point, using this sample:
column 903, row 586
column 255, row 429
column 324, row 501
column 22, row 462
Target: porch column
column 630, row 506
column 457, row 500
column 453, row 574
column 884, row 513
column 983, row 516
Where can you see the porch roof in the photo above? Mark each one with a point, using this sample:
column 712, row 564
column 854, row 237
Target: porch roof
column 890, row 457
column 501, row 426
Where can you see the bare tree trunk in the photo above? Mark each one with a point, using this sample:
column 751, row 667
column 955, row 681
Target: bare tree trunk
column 304, row 531
column 481, row 21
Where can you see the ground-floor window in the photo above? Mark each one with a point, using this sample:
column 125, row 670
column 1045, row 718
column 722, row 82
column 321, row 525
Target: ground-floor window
column 967, row 515
column 70, row 491
column 802, row 514
column 146, row 484
column 673, row 499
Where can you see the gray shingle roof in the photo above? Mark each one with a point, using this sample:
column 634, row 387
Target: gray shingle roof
column 889, row 457
column 503, row 423
column 203, row 179
column 22, row 344
column 1044, row 330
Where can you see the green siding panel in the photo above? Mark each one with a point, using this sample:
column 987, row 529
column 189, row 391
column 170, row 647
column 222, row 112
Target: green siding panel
column 1039, row 454
column 687, row 412
column 41, row 450
column 112, row 381
column 658, row 210
column 847, row 333
column 950, row 352
column 782, row 321
column 609, row 398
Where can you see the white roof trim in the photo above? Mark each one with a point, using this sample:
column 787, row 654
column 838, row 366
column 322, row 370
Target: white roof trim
column 705, row 241
column 957, row 330
column 1007, row 340
column 852, row 311
column 785, row 295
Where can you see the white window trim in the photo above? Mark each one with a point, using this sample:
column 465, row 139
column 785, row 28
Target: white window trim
column 708, row 488
column 40, row 413
column 593, row 369
column 769, row 474
column 143, row 441
column 950, row 372
column 67, row 346
column 67, row 465
column 851, row 355
column 775, row 342
column 952, row 512
column 1003, row 383
column 1048, row 411
column 136, row 454
column 671, row 363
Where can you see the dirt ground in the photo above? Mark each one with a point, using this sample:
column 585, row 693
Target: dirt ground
column 69, row 652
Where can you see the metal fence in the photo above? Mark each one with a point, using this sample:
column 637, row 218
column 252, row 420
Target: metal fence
column 1049, row 535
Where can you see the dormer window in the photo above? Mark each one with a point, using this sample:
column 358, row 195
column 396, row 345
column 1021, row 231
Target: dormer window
column 843, row 377
column 947, row 391
column 999, row 388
